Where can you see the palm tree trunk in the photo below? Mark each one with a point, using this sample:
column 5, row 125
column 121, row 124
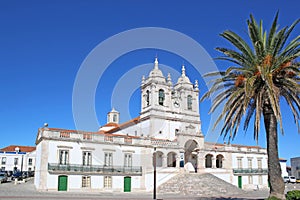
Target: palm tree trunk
column 274, row 170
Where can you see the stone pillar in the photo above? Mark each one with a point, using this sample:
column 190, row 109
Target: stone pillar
column 178, row 161
column 164, row 161
column 200, row 161
column 223, row 163
column 213, row 160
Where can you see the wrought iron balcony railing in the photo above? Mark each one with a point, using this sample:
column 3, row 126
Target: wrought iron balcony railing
column 250, row 171
column 55, row 168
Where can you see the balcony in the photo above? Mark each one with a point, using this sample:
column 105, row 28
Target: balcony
column 55, row 168
column 248, row 171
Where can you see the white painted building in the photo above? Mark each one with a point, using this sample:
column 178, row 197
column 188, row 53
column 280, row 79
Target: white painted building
column 17, row 158
column 295, row 167
column 283, row 167
column 119, row 157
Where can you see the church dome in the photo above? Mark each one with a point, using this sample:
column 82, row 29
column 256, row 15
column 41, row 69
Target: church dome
column 183, row 78
column 156, row 72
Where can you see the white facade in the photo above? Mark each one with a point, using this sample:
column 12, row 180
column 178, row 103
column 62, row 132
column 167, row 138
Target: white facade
column 295, row 167
column 17, row 158
column 119, row 157
column 283, row 167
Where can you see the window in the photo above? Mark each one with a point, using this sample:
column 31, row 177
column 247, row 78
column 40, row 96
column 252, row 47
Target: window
column 29, row 169
column 240, row 164
column 189, row 102
column 115, row 118
column 3, row 169
column 259, row 164
column 161, row 97
column 3, row 161
column 250, row 179
column 86, row 158
column 250, row 163
column 108, row 159
column 30, row 161
column 86, row 181
column 16, row 160
column 208, row 161
column 128, row 160
column 107, row 182
column 147, row 98
column 63, row 157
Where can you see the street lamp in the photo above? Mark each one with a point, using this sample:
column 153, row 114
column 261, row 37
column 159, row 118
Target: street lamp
column 154, row 173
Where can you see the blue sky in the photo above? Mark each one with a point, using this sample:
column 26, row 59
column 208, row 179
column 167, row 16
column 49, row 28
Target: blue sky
column 44, row 43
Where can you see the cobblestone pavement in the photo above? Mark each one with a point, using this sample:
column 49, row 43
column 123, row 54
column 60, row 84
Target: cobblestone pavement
column 26, row 191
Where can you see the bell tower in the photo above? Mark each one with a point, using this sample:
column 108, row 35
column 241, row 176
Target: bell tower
column 113, row 116
column 155, row 92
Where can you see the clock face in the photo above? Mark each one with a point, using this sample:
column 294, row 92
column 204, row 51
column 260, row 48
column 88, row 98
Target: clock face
column 176, row 104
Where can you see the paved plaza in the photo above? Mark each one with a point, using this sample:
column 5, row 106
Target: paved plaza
column 26, row 191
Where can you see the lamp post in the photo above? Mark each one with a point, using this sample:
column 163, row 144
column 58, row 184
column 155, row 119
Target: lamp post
column 154, row 174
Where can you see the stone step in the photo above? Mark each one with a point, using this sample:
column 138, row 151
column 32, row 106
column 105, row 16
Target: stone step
column 199, row 185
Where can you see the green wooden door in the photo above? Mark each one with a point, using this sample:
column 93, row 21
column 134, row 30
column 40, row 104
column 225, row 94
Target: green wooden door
column 62, row 183
column 127, row 184
column 240, row 181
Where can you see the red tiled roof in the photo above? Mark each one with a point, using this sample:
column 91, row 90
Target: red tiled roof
column 111, row 124
column 125, row 124
column 12, row 148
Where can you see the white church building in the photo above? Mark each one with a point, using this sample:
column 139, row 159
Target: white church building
column 119, row 157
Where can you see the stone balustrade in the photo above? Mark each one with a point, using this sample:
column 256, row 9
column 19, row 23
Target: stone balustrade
column 97, row 137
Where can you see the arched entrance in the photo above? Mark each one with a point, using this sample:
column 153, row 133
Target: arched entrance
column 219, row 161
column 208, row 161
column 190, row 153
column 159, row 159
column 171, row 161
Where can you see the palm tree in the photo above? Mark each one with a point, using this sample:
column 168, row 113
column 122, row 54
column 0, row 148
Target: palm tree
column 264, row 73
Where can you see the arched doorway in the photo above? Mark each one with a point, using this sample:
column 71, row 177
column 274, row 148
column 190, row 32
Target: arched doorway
column 159, row 159
column 190, row 152
column 219, row 161
column 171, row 161
column 208, row 161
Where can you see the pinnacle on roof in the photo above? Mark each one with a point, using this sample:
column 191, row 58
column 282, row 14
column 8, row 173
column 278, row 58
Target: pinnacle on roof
column 183, row 71
column 156, row 63
column 183, row 78
column 196, row 85
column 169, row 80
column 114, row 110
column 156, row 72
